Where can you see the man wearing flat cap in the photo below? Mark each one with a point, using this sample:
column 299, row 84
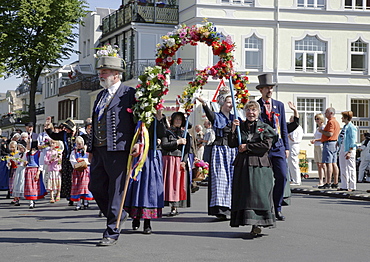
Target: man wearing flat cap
column 109, row 145
column 273, row 113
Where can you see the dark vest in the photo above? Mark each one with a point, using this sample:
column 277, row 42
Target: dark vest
column 100, row 130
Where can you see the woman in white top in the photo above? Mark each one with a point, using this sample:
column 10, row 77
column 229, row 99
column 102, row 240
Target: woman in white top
column 365, row 156
column 319, row 119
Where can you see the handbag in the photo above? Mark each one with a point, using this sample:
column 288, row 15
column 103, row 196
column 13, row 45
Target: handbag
column 80, row 166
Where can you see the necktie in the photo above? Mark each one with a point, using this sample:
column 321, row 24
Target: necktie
column 103, row 103
column 268, row 110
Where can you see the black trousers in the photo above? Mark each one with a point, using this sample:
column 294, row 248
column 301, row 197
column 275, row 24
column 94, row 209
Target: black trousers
column 107, row 179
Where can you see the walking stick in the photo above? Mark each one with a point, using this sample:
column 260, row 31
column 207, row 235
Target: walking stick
column 127, row 180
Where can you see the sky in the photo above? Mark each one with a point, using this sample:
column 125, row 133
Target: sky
column 13, row 82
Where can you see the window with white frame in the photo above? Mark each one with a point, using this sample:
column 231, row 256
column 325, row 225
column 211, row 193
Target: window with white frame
column 310, row 55
column 357, row 4
column 358, row 56
column 253, row 53
column 308, row 108
column 311, row 3
column 238, row 2
column 360, row 109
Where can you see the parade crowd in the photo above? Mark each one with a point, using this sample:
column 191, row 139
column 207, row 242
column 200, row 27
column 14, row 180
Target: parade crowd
column 244, row 162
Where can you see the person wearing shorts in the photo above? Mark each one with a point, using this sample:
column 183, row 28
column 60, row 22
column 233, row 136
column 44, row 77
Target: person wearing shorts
column 329, row 140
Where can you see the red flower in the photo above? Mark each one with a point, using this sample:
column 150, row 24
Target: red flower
column 260, row 129
column 179, row 61
column 129, row 110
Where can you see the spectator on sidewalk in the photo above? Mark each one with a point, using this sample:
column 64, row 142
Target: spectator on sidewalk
column 347, row 153
column 199, row 148
column 295, row 135
column 329, row 152
column 209, row 137
column 321, row 167
column 365, row 156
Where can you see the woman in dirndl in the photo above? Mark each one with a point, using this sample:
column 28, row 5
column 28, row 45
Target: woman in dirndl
column 253, row 177
column 175, row 179
column 221, row 168
column 144, row 199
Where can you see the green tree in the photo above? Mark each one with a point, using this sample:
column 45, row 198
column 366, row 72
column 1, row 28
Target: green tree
column 36, row 34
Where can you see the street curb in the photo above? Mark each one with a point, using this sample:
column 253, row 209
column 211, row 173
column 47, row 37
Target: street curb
column 356, row 195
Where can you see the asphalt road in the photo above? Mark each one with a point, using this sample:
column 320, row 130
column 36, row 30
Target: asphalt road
column 317, row 228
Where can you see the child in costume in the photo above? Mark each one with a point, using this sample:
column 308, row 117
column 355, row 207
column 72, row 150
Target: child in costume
column 81, row 175
column 52, row 163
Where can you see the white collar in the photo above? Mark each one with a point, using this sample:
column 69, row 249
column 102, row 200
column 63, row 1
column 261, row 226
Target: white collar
column 112, row 89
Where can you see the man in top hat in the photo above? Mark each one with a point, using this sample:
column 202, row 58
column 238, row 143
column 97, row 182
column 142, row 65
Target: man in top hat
column 273, row 113
column 109, row 144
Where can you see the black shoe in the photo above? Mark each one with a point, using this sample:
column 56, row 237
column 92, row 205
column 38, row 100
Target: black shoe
column 147, row 227
column 70, row 203
column 324, row 186
column 255, row 230
column 173, row 213
column 17, row 203
column 279, row 216
column 334, row 185
column 135, row 224
column 194, row 189
column 106, row 241
column 222, row 217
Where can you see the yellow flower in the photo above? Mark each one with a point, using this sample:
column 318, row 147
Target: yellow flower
column 184, row 93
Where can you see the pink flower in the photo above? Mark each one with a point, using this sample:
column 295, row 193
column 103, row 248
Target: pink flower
column 161, row 77
column 169, row 59
column 138, row 86
column 129, row 110
column 165, row 92
column 159, row 106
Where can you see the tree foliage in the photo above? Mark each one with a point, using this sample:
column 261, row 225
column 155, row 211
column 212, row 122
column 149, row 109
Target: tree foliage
column 36, row 34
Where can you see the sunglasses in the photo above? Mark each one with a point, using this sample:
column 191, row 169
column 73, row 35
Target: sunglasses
column 317, row 119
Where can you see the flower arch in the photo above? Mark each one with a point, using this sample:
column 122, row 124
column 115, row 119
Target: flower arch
column 154, row 83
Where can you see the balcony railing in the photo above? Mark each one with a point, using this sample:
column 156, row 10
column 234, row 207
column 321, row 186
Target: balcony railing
column 40, row 111
column 184, row 71
column 140, row 12
column 88, row 83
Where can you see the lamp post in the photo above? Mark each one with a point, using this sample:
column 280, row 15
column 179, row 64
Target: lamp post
column 72, row 98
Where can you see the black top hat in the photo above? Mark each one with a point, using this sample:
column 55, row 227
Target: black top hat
column 29, row 124
column 265, row 80
column 69, row 124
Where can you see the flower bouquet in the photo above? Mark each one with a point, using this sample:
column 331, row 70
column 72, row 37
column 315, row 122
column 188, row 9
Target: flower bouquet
column 200, row 170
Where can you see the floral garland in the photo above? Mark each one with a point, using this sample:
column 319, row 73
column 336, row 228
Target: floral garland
column 153, row 84
column 152, row 87
column 224, row 68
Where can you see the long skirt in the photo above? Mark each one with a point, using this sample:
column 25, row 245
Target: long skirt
column 66, row 171
column 80, row 185
column 144, row 197
column 33, row 189
column 252, row 197
column 174, row 181
column 4, row 175
column 220, row 180
column 54, row 179
column 11, row 179
column 18, row 183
